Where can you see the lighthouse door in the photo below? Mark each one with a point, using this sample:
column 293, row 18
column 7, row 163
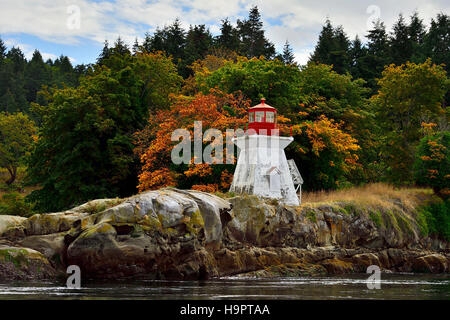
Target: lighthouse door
column 274, row 180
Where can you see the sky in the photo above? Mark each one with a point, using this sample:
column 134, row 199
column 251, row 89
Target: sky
column 78, row 28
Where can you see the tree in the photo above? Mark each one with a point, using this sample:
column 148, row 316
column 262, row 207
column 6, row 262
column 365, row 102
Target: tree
column 340, row 55
column 215, row 110
column 252, row 36
column 175, row 41
column 105, row 54
column 399, row 42
column 257, row 77
column 287, row 56
column 323, row 91
column 416, row 30
column 377, row 54
column 333, row 48
column 2, row 50
column 198, row 42
column 437, row 39
column 16, row 139
column 12, row 82
column 229, row 37
column 325, row 45
column 85, row 145
column 357, row 54
column 37, row 73
column 408, row 95
column 432, row 163
column 326, row 150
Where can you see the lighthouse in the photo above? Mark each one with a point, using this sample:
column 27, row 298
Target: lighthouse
column 262, row 168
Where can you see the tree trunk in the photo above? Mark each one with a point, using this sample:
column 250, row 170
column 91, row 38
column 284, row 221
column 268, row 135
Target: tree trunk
column 13, row 173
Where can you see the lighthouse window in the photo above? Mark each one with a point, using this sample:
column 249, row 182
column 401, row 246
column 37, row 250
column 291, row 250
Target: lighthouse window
column 259, row 116
column 269, row 116
column 250, row 117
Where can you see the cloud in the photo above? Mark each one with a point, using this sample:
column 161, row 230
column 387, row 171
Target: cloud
column 298, row 21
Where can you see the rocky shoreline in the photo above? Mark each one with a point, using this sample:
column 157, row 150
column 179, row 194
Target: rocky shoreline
column 186, row 234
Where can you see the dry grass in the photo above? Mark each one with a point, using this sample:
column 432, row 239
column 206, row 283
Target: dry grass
column 371, row 195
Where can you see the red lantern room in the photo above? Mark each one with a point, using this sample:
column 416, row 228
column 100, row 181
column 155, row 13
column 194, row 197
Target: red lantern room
column 262, row 118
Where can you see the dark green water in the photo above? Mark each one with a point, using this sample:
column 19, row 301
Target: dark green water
column 393, row 286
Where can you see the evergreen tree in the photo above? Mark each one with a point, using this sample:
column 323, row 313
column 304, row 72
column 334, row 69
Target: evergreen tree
column 357, row 54
column 287, row 56
column 175, row 41
column 436, row 42
column 37, row 73
column 120, row 48
column 2, row 50
column 377, row 54
column 229, row 37
column 105, row 54
column 136, row 46
column 16, row 56
column 417, row 33
column 333, row 48
column 400, row 45
column 340, row 55
column 325, row 45
column 157, row 42
column 12, row 81
column 253, row 40
column 63, row 72
column 198, row 41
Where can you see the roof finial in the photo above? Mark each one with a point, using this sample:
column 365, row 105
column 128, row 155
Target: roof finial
column 263, row 100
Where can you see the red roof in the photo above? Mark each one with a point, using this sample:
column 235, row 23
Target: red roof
column 263, row 105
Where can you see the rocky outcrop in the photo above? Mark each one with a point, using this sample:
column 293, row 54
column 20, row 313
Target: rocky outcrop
column 186, row 234
column 21, row 263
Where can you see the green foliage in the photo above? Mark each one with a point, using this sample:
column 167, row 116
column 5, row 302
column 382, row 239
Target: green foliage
column 376, row 217
column 432, row 165
column 434, row 219
column 21, row 80
column 408, row 94
column 85, row 146
column 333, row 48
column 16, row 140
column 257, row 77
column 14, row 204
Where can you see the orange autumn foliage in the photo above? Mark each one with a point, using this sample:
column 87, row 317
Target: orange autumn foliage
column 325, row 133
column 215, row 110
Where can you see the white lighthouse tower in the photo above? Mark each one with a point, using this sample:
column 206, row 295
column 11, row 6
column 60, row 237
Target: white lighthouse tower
column 262, row 168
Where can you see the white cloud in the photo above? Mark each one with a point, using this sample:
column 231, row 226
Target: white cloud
column 298, row 21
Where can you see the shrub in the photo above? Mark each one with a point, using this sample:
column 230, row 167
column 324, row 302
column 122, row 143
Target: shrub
column 14, row 204
column 437, row 218
column 432, row 165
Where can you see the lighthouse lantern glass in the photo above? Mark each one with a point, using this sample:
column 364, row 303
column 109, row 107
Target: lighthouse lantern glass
column 259, row 116
column 270, row 116
column 250, row 117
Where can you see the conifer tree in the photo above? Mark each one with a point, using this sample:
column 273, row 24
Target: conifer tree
column 377, row 54
column 436, row 42
column 229, row 37
column 357, row 54
column 253, row 40
column 325, row 45
column 287, row 56
column 2, row 50
column 400, row 45
column 417, row 32
column 106, row 52
column 136, row 46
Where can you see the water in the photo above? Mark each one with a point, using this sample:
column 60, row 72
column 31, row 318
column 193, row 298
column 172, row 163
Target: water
column 393, row 286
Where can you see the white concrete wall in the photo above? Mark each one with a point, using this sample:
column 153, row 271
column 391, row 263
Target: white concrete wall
column 258, row 154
